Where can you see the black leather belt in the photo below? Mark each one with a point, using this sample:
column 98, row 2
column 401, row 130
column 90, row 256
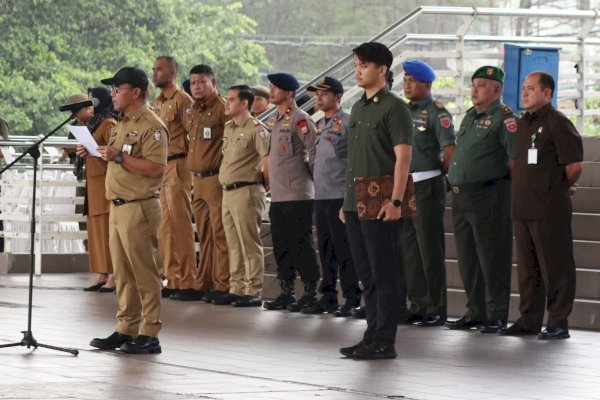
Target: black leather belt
column 207, row 173
column 237, row 185
column 119, row 202
column 175, row 157
column 471, row 187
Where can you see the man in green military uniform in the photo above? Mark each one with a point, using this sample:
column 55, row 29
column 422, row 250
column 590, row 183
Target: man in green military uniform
column 137, row 159
column 479, row 178
column 422, row 236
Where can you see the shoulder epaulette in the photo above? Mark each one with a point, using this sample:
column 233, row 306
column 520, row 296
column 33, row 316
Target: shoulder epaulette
column 228, row 123
column 507, row 110
column 439, row 105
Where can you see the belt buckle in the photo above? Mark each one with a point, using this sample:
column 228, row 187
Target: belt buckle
column 455, row 189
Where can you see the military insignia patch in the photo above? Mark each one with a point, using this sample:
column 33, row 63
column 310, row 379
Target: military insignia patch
column 156, row 134
column 511, row 125
column 302, row 126
column 489, row 71
column 445, row 122
column 262, row 133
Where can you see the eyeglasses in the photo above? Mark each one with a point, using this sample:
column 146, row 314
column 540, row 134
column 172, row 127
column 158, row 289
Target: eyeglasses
column 118, row 89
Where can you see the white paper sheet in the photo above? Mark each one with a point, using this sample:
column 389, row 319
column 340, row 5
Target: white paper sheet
column 84, row 136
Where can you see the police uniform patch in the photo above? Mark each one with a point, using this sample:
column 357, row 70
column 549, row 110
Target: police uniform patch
column 511, row 125
column 262, row 133
column 445, row 122
column 156, row 134
column 302, row 126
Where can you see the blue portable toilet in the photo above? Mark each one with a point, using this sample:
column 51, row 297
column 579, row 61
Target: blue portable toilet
column 519, row 61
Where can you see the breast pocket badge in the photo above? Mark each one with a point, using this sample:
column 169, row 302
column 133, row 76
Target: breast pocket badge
column 207, row 134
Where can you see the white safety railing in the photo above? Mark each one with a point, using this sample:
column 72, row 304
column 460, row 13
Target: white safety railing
column 57, row 223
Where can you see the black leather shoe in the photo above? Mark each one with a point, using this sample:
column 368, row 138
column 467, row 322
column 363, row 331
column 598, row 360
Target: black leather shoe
column 431, row 320
column 280, row 303
column 166, row 292
column 142, row 344
column 346, row 309
column 94, row 288
column 493, row 326
column 375, row 351
column 247, row 301
column 225, row 299
column 410, row 318
column 463, row 323
column 359, row 313
column 517, row 330
column 112, row 342
column 105, row 289
column 187, row 295
column 348, row 351
column 554, row 333
column 326, row 304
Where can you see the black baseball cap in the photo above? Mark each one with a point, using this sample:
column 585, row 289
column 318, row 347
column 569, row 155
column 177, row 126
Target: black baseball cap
column 374, row 52
column 327, row 84
column 131, row 75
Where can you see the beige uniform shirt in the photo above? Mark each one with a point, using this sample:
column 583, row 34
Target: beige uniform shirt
column 244, row 147
column 147, row 136
column 174, row 107
column 205, row 125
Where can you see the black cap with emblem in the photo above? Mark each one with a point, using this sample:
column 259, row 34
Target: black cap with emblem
column 327, row 84
column 131, row 75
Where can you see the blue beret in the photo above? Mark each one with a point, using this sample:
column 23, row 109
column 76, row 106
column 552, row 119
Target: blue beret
column 419, row 70
column 284, row 81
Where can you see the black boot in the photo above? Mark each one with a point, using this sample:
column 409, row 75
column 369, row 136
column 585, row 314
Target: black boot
column 327, row 304
column 284, row 299
column 308, row 299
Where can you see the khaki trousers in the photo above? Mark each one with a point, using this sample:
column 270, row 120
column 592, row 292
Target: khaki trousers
column 213, row 267
column 242, row 216
column 133, row 247
column 176, row 233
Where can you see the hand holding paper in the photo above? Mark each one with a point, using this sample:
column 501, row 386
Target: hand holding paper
column 84, row 136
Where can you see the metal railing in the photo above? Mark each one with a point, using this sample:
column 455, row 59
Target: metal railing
column 470, row 44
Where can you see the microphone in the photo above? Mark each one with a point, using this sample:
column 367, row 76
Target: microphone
column 78, row 106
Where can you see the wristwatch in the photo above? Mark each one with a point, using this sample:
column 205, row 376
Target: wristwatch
column 118, row 157
column 396, row 203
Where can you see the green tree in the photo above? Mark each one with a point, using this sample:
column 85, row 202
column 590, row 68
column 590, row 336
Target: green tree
column 54, row 48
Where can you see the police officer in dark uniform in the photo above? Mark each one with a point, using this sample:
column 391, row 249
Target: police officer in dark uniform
column 329, row 176
column 479, row 178
column 422, row 237
column 291, row 160
column 547, row 165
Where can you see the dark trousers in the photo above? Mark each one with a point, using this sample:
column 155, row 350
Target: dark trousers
column 423, row 250
column 546, row 270
column 483, row 233
column 373, row 245
column 291, row 230
column 334, row 250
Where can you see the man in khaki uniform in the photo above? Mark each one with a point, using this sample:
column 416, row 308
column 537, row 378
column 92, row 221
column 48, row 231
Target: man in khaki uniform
column 261, row 100
column 137, row 159
column 176, row 233
column 244, row 176
column 205, row 126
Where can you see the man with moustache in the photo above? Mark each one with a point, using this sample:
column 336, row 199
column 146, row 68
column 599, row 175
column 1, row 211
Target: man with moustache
column 548, row 163
column 137, row 160
column 205, row 126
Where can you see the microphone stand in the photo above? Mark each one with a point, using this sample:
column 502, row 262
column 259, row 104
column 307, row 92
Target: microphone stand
column 28, row 339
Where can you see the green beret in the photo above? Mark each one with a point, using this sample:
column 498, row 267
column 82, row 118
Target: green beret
column 489, row 72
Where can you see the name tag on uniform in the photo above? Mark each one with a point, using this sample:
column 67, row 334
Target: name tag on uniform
column 532, row 155
column 207, row 133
